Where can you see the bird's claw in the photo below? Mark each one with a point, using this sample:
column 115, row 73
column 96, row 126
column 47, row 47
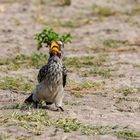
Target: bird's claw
column 60, row 109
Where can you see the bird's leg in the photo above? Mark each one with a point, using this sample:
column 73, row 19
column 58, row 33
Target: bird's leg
column 58, row 100
column 60, row 108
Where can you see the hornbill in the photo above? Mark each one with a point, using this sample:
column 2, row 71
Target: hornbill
column 51, row 79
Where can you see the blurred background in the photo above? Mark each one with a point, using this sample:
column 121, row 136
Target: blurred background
column 93, row 24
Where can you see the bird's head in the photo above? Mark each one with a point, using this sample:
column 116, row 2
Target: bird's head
column 56, row 48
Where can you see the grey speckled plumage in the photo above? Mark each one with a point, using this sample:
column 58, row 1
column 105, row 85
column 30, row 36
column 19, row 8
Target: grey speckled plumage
column 50, row 87
column 51, row 79
column 44, row 71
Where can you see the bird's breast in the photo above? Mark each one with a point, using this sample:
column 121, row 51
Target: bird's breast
column 54, row 74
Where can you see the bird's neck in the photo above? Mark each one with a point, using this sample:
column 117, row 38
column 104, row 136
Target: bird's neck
column 53, row 55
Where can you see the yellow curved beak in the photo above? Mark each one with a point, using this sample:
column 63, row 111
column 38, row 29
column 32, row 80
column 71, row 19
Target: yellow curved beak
column 54, row 46
column 55, row 49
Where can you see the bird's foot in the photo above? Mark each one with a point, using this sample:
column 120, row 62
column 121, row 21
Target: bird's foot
column 60, row 109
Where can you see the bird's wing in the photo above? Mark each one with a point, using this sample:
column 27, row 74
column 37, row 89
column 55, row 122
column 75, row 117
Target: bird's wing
column 42, row 73
column 64, row 75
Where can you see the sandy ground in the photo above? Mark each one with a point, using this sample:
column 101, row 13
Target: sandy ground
column 20, row 20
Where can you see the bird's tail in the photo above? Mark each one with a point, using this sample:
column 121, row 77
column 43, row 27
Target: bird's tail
column 29, row 99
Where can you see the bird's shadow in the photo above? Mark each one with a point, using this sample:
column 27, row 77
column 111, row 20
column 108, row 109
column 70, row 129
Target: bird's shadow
column 26, row 107
column 50, row 108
